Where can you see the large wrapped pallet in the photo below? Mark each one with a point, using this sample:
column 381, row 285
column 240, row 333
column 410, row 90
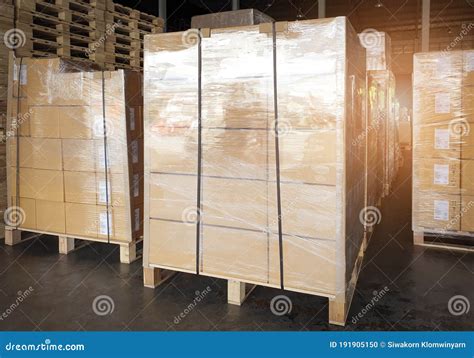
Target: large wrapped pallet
column 74, row 153
column 252, row 171
column 443, row 146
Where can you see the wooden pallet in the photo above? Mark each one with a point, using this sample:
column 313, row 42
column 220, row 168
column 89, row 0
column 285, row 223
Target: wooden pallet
column 67, row 244
column 238, row 291
column 419, row 239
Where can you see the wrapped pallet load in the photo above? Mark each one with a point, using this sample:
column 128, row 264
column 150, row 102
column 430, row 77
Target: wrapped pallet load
column 381, row 124
column 75, row 152
column 252, row 168
column 443, row 148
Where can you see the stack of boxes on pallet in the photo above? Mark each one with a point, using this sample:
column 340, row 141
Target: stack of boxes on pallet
column 382, row 126
column 75, row 153
column 9, row 40
column 97, row 30
column 443, row 144
column 251, row 169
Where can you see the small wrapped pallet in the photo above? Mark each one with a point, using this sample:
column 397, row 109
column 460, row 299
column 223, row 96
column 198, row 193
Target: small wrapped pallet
column 378, row 129
column 443, row 149
column 251, row 174
column 74, row 154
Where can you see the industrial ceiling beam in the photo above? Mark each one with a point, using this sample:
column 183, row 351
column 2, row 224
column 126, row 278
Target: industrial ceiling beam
column 321, row 9
column 162, row 12
column 235, row 5
column 425, row 26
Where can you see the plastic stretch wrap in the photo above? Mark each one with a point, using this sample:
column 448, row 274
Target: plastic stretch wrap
column 382, row 121
column 211, row 161
column 378, row 47
column 404, row 128
column 75, row 150
column 443, row 141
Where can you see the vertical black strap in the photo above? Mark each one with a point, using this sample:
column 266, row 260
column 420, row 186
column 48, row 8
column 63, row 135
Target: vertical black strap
column 106, row 160
column 277, row 155
column 199, row 164
column 16, row 128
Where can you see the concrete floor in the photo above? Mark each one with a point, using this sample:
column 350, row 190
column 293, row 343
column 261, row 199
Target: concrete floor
column 420, row 283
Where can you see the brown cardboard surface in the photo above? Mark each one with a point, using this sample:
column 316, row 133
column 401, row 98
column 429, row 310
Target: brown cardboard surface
column 437, row 140
column 467, row 213
column 242, row 255
column 50, row 216
column 438, row 175
column 38, row 153
column 41, row 184
column 177, row 244
column 436, row 211
column 310, row 264
column 169, row 201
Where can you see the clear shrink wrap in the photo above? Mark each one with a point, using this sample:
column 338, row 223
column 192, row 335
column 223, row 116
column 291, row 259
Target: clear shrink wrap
column 443, row 142
column 225, row 196
column 378, row 46
column 381, row 88
column 75, row 150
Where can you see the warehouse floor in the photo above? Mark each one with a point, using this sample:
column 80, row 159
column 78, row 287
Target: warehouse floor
column 420, row 283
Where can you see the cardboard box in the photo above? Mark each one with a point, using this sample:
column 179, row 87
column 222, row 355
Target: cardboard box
column 437, row 140
column 436, row 211
column 242, row 17
column 438, row 175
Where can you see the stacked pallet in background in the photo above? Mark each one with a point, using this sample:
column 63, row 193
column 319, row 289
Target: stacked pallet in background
column 381, row 112
column 9, row 39
column 246, row 186
column 124, row 48
column 443, row 148
column 75, row 158
column 95, row 31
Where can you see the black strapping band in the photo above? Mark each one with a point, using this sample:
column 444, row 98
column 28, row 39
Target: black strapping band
column 199, row 163
column 16, row 128
column 105, row 159
column 277, row 155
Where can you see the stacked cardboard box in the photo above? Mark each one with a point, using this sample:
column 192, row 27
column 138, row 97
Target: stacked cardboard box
column 75, row 150
column 443, row 144
column 242, row 17
column 211, row 154
column 381, row 115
